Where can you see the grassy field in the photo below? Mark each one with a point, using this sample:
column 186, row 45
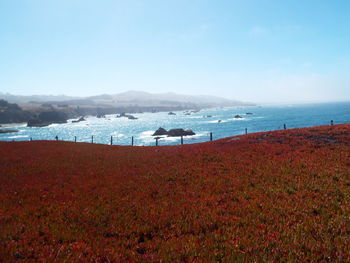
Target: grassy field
column 280, row 196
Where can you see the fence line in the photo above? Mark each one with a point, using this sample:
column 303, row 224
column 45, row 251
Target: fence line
column 158, row 138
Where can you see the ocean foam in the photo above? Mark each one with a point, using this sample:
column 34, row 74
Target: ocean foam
column 18, row 136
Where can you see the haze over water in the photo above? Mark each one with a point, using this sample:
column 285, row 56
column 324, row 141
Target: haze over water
column 264, row 118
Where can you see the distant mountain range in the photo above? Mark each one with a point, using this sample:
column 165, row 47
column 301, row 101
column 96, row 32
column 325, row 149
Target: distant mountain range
column 128, row 98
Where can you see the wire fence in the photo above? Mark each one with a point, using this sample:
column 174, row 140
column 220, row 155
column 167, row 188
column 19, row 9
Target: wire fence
column 157, row 139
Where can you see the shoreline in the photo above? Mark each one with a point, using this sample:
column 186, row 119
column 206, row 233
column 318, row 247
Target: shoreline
column 10, row 125
column 224, row 139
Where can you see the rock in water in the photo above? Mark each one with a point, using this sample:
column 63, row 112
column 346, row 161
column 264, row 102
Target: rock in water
column 79, row 120
column 238, row 117
column 179, row 132
column 160, row 131
column 173, row 132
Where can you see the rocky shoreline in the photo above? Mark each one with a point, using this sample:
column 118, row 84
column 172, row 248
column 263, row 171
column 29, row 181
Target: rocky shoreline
column 8, row 130
column 46, row 114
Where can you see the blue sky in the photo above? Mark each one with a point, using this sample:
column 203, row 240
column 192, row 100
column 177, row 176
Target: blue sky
column 255, row 50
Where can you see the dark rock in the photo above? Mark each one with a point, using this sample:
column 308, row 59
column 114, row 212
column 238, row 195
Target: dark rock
column 209, row 116
column 173, row 132
column 238, row 117
column 160, row 131
column 48, row 117
column 171, row 113
column 37, row 123
column 249, row 113
column 79, row 120
column 53, row 116
column 12, row 113
column 219, row 121
column 8, row 131
column 179, row 132
column 131, row 117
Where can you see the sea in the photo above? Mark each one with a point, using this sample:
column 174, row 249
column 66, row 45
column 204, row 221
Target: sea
column 220, row 122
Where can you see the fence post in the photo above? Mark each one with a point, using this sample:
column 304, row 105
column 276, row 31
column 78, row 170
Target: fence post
column 182, row 140
column 246, row 131
column 132, row 140
column 111, row 140
column 75, row 138
column 92, row 139
column 211, row 136
column 31, row 138
column 157, row 141
column 285, row 126
column 332, row 122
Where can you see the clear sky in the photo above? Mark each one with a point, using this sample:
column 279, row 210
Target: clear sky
column 254, row 50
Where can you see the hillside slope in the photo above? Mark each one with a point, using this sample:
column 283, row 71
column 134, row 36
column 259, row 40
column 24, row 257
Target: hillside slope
column 277, row 196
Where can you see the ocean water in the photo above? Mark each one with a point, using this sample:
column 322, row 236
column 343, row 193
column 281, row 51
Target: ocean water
column 264, row 118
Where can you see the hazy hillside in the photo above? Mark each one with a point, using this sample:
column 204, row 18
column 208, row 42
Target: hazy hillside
column 39, row 98
column 128, row 98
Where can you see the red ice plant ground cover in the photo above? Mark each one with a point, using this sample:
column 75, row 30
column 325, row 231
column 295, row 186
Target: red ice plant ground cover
column 265, row 197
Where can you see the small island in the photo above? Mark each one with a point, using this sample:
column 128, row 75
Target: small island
column 173, row 132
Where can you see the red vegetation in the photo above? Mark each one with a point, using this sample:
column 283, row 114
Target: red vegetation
column 277, row 196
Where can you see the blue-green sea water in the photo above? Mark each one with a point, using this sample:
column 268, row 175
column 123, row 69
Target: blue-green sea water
column 264, row 118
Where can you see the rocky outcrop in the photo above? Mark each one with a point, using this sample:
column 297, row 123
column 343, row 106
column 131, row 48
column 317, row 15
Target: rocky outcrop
column 249, row 113
column 48, row 117
column 238, row 117
column 37, row 123
column 180, row 132
column 160, row 131
column 173, row 132
column 171, row 113
column 12, row 113
column 129, row 116
column 79, row 120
